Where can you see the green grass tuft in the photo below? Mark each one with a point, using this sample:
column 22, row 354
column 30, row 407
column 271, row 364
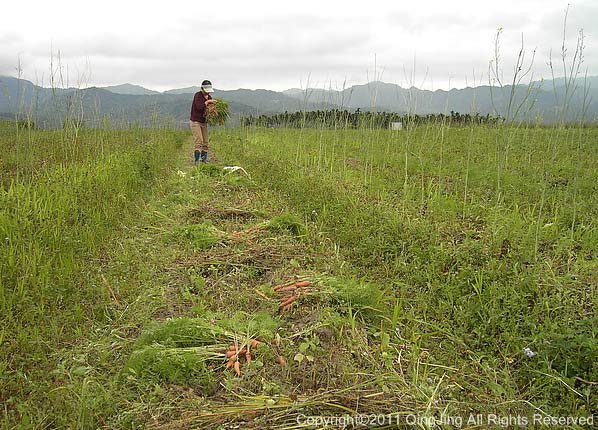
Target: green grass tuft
column 287, row 223
column 207, row 169
column 180, row 333
column 367, row 297
column 199, row 236
column 156, row 364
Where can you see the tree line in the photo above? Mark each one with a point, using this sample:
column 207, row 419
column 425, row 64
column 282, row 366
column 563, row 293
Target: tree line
column 336, row 118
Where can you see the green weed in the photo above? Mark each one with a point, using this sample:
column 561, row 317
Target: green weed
column 183, row 366
column 287, row 223
column 198, row 236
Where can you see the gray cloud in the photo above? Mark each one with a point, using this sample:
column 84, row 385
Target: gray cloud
column 282, row 50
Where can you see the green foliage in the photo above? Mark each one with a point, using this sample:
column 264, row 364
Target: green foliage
column 364, row 296
column 573, row 352
column 335, row 118
column 188, row 350
column 73, row 123
column 237, row 180
column 199, row 236
column 257, row 324
column 287, row 223
column 481, row 237
column 218, row 113
column 155, row 364
column 470, row 244
column 63, row 199
column 26, row 124
column 209, row 326
column 70, row 210
column 180, row 333
column 207, row 169
column 207, row 329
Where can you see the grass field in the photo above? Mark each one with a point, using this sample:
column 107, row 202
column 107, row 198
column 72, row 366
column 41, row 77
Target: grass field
column 453, row 272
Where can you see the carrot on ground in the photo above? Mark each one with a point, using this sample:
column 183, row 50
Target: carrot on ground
column 230, row 363
column 237, row 367
column 302, row 284
column 287, row 301
column 281, row 360
column 289, row 288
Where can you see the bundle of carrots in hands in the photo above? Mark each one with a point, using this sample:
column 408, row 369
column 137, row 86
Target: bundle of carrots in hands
column 290, row 293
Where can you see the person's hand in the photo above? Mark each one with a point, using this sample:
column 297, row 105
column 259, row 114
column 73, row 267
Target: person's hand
column 210, row 102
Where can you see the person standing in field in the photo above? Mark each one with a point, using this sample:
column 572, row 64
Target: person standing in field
column 198, row 122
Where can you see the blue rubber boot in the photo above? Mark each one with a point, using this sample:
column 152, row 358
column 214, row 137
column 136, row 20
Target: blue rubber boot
column 204, row 156
column 197, row 155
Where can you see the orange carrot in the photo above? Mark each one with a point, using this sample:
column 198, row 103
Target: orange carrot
column 281, row 360
column 243, row 351
column 255, row 343
column 288, row 301
column 232, row 348
column 302, row 284
column 248, row 357
column 230, row 363
column 230, row 354
column 289, row 288
column 285, row 298
column 277, row 287
column 237, row 367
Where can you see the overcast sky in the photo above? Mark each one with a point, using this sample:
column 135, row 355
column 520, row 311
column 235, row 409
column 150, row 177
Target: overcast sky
column 279, row 45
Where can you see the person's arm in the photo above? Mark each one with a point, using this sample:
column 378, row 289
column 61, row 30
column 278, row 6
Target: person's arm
column 200, row 104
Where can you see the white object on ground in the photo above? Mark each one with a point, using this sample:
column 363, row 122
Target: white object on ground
column 181, row 173
column 529, row 352
column 231, row 169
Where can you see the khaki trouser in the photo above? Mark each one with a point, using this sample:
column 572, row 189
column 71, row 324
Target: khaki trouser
column 200, row 136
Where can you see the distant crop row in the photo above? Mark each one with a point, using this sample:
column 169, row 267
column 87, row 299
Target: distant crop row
column 355, row 119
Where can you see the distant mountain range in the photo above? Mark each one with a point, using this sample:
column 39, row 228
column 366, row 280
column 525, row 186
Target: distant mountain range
column 128, row 103
column 130, row 89
column 541, row 96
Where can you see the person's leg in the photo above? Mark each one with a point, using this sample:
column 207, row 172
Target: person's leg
column 205, row 145
column 197, row 140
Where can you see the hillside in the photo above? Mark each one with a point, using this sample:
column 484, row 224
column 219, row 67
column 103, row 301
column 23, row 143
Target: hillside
column 186, row 90
column 130, row 103
column 130, row 89
column 543, row 100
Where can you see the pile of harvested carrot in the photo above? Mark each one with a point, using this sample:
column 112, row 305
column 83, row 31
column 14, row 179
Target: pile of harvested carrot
column 234, row 355
column 290, row 293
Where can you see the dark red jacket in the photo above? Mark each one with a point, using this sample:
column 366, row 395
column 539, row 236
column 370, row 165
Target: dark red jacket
column 198, row 107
